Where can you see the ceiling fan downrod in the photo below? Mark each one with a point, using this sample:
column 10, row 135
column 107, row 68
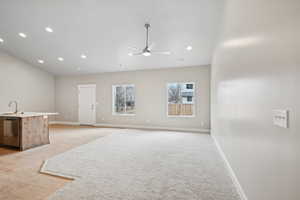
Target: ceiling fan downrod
column 147, row 26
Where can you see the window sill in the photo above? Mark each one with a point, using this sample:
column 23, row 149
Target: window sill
column 181, row 116
column 118, row 114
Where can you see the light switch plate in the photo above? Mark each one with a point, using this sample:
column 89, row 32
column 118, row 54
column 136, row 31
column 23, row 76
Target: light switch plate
column 281, row 118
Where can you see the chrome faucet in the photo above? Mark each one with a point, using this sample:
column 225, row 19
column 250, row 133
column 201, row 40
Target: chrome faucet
column 16, row 103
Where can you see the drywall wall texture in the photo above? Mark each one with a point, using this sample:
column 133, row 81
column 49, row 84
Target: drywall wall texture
column 32, row 87
column 256, row 69
column 151, row 96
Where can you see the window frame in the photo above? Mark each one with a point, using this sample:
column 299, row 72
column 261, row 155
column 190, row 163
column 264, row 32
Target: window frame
column 113, row 99
column 194, row 100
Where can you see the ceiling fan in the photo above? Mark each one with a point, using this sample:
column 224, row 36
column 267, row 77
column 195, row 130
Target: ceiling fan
column 147, row 51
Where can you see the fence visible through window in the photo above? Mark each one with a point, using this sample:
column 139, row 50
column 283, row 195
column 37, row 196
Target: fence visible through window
column 181, row 99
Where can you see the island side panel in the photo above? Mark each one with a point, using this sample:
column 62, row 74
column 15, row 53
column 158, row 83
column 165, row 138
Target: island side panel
column 35, row 132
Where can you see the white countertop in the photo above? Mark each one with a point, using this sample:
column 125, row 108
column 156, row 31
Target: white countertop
column 26, row 114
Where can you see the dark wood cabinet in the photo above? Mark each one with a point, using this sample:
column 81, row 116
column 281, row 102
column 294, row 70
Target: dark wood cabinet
column 10, row 132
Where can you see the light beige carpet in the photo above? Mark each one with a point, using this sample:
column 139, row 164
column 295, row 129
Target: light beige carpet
column 141, row 165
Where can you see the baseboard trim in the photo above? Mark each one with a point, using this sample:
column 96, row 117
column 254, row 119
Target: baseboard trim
column 64, row 123
column 153, row 128
column 135, row 127
column 231, row 172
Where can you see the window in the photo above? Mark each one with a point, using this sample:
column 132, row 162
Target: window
column 124, row 99
column 189, row 86
column 181, row 99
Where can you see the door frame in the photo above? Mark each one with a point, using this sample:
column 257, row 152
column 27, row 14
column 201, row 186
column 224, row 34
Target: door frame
column 94, row 101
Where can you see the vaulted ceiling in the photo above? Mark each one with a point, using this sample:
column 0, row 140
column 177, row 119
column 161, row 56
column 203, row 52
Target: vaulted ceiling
column 107, row 30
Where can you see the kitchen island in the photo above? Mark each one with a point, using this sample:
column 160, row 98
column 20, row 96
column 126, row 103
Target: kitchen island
column 24, row 130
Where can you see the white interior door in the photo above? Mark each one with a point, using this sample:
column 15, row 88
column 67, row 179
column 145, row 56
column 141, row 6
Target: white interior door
column 87, row 104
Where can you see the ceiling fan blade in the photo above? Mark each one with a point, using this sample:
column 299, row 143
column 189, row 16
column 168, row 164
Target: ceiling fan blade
column 151, row 46
column 132, row 48
column 162, row 52
column 136, row 54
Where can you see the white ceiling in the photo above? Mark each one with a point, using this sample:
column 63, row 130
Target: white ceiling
column 107, row 30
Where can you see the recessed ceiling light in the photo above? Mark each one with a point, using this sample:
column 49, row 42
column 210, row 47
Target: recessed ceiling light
column 41, row 61
column 1, row 40
column 23, row 35
column 83, row 56
column 189, row 48
column 48, row 29
column 130, row 54
column 60, row 59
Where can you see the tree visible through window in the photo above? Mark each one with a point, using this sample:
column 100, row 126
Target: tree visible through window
column 181, row 99
column 124, row 99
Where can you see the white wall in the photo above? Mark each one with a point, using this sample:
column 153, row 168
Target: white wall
column 256, row 69
column 32, row 87
column 151, row 96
